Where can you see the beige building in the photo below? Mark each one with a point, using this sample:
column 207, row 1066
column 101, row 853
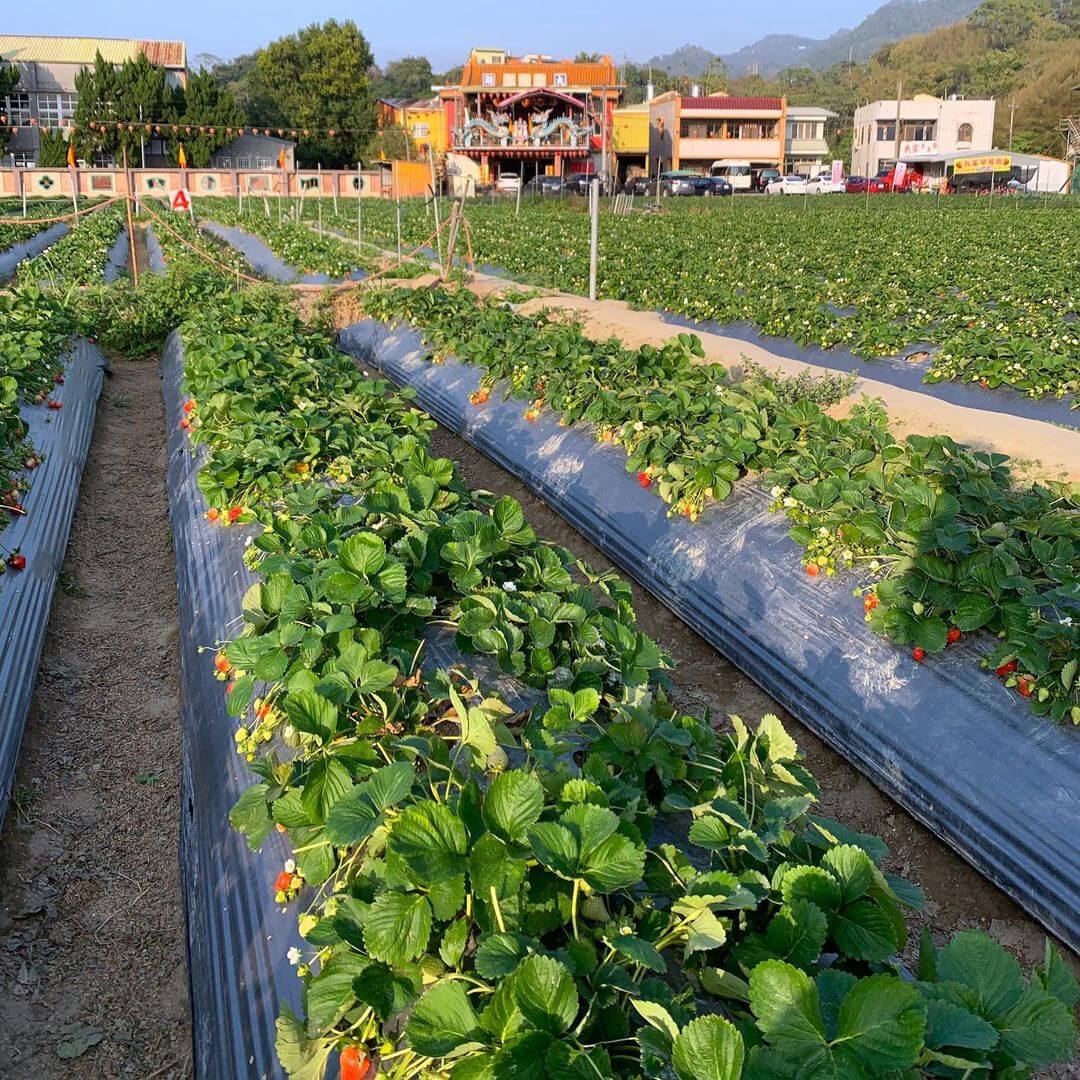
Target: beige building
column 806, row 150
column 929, row 127
column 699, row 132
column 45, row 95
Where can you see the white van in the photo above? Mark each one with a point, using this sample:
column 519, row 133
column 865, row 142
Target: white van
column 737, row 173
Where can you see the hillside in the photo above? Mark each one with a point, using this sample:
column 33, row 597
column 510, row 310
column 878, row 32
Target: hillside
column 892, row 21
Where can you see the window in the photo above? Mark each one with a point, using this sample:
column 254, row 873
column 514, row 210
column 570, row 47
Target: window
column 488, row 78
column 803, row 129
column 559, row 79
column 755, row 130
column 918, row 130
column 22, row 159
column 964, row 133
column 886, row 131
column 55, row 109
column 17, row 107
column 420, row 131
column 702, row 129
column 102, row 160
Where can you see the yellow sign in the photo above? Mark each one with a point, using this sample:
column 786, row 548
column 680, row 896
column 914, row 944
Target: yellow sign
column 983, row 163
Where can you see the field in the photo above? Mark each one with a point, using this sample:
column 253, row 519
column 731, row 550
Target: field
column 538, row 858
column 988, row 288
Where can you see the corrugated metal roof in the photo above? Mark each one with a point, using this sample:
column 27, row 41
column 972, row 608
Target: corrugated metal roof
column 47, row 49
column 723, row 101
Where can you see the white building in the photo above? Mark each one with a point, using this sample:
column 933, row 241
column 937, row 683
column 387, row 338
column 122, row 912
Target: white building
column 929, row 128
column 806, row 150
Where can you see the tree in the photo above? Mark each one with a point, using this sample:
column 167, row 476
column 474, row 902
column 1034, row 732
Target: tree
column 587, row 58
column 9, row 79
column 126, row 98
column 207, row 106
column 316, row 79
column 1009, row 23
column 1067, row 13
column 409, row 77
column 52, row 150
column 389, row 144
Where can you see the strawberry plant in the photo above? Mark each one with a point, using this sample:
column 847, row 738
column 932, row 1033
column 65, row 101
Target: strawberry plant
column 483, row 891
column 80, row 257
column 942, row 539
column 891, row 279
column 20, row 231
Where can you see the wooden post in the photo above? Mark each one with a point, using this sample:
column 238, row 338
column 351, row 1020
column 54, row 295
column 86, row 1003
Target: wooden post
column 130, row 223
column 22, row 189
column 435, row 200
column 334, row 178
column 359, row 213
column 451, row 240
column 320, row 198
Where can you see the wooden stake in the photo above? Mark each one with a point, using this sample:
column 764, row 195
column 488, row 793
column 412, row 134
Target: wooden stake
column 130, row 223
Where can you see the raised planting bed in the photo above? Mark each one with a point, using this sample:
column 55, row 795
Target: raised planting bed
column 60, row 438
column 27, row 249
column 302, row 247
column 948, row 742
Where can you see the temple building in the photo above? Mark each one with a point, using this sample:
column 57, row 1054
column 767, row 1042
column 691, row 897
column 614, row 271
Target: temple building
column 529, row 115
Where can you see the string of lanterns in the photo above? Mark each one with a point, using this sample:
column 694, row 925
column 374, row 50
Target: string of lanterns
column 180, row 129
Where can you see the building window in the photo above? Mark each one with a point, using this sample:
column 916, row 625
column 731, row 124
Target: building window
column 803, row 129
column 17, row 107
column 22, row 159
column 102, row 160
column 559, row 79
column 964, row 133
column 886, row 131
column 702, row 129
column 420, row 131
column 918, row 130
column 756, row 130
column 55, row 109
column 266, row 163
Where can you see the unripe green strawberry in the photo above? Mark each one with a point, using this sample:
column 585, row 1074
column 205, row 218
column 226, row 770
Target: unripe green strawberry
column 432, row 968
column 594, row 909
column 498, row 759
column 918, row 608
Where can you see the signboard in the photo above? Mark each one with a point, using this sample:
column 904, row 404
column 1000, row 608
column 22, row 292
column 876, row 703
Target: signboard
column 181, row 200
column 922, row 148
column 899, row 173
column 981, row 163
column 837, row 171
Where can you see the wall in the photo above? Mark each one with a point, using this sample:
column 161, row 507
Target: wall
column 50, row 183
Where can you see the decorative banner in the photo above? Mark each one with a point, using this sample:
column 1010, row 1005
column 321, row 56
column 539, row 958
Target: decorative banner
column 899, row 173
column 981, row 163
column 837, row 170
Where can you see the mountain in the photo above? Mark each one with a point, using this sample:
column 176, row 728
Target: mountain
column 774, row 52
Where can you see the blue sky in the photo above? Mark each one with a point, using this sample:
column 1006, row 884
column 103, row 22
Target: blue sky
column 635, row 29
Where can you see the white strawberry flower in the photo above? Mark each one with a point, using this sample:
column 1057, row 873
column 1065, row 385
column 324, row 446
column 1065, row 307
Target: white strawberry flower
column 294, row 956
column 509, row 586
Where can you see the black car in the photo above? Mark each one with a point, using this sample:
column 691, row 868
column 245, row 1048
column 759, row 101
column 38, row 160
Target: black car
column 640, row 185
column 766, row 177
column 716, row 185
column 578, row 183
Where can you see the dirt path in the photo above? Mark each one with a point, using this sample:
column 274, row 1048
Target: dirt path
column 93, row 978
column 958, row 897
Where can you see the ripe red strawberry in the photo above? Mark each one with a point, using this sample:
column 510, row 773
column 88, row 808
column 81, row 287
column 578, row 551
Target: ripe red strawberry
column 221, row 662
column 235, row 512
column 918, row 654
column 189, row 405
column 1024, row 685
column 54, row 404
column 870, row 601
column 813, row 569
column 283, row 882
column 17, row 561
column 644, row 479
column 58, row 377
column 213, row 514
column 1006, row 669
column 31, row 462
column 353, row 1064
column 954, row 635
column 185, row 424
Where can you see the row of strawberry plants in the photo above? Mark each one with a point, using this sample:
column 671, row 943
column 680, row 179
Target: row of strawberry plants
column 942, row 539
column 831, row 274
column 21, row 231
column 80, row 257
column 34, row 330
column 463, row 918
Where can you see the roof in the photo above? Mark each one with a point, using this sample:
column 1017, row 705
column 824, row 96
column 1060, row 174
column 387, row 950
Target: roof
column 725, row 101
column 48, row 49
column 817, row 111
column 959, row 155
column 602, row 73
column 541, row 91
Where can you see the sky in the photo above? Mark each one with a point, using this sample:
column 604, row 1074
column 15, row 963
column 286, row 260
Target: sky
column 627, row 29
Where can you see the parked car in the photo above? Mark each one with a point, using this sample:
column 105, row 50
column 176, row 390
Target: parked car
column 679, row 182
column 717, row 185
column 544, row 185
column 766, row 177
column 857, row 185
column 912, row 180
column 640, row 185
column 823, row 184
column 508, row 183
column 736, row 173
column 792, row 184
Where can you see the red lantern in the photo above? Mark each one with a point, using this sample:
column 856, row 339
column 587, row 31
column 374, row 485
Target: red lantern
column 187, row 131
column 292, row 134
column 281, row 132
column 305, row 133
column 331, row 133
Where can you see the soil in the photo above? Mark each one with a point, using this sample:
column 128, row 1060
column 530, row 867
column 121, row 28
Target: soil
column 93, row 970
column 958, row 898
